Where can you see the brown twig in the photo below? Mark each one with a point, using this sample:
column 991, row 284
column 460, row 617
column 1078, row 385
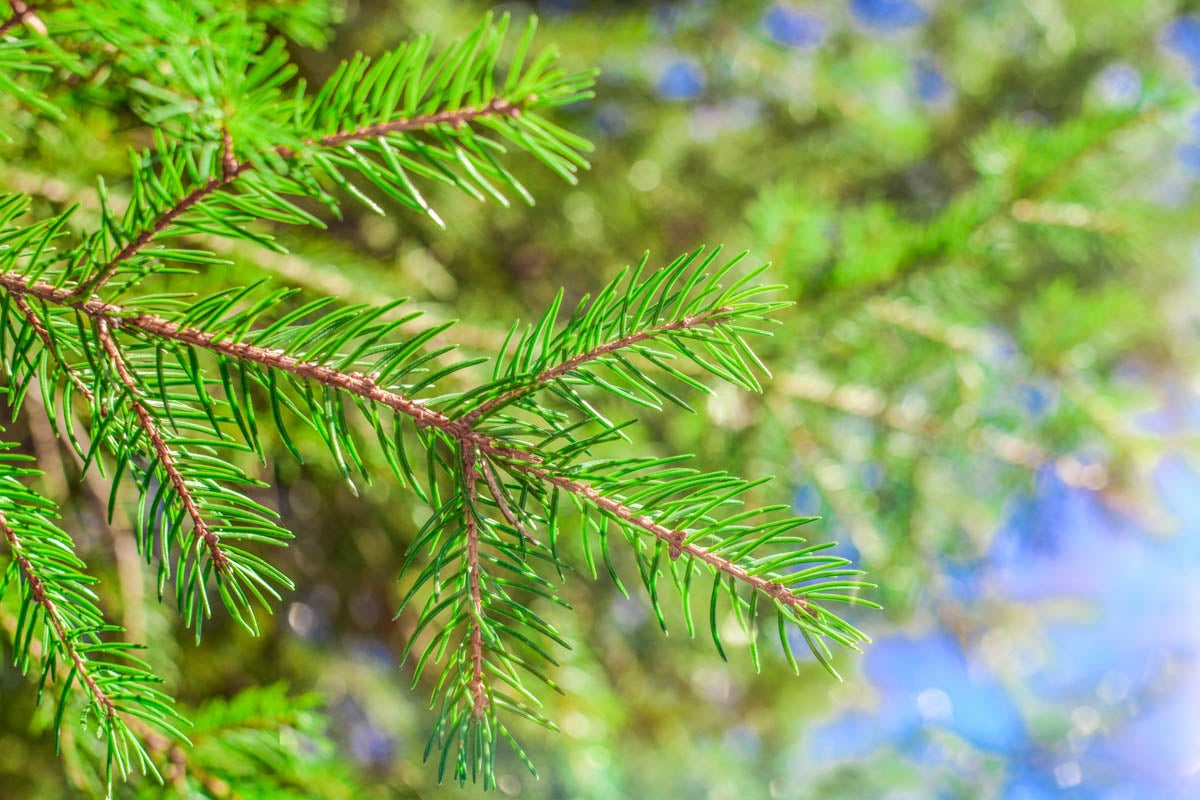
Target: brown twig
column 231, row 169
column 169, row 751
column 200, row 527
column 455, row 119
column 353, row 382
column 128, row 572
column 147, row 235
column 477, row 686
column 229, row 162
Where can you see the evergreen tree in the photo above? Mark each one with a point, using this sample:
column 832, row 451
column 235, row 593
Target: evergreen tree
column 160, row 390
column 982, row 217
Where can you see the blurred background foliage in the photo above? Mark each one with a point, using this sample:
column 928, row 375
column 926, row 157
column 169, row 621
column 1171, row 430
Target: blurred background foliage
column 985, row 214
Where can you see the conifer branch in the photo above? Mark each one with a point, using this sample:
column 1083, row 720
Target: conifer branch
column 160, row 328
column 65, row 639
column 710, row 319
column 162, row 452
column 239, row 142
column 489, row 476
column 170, row 757
column 365, row 387
column 146, row 236
column 676, row 540
column 60, row 627
column 32, row 318
column 232, row 169
column 229, row 162
column 456, row 118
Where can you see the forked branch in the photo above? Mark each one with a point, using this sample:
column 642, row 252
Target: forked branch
column 232, row 169
column 365, row 387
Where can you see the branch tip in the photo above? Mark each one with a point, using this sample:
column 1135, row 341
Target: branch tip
column 231, row 169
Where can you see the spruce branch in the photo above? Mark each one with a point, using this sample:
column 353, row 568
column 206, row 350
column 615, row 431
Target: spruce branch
column 60, row 627
column 204, row 515
column 455, row 118
column 172, row 381
column 200, row 530
column 235, row 746
column 459, row 430
column 676, row 540
column 36, row 324
column 426, row 118
column 501, row 499
column 40, row 596
column 147, row 234
column 624, row 339
column 232, row 169
column 710, row 319
column 687, row 310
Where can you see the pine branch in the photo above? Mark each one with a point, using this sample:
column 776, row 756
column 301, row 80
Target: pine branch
column 623, row 339
column 172, row 380
column 686, row 311
column 676, row 540
column 157, row 327
column 43, row 334
column 358, row 384
column 455, row 118
column 423, row 117
column 710, row 319
column 235, row 745
column 202, row 505
column 40, row 596
column 232, row 169
column 200, row 530
column 499, row 495
column 59, row 617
